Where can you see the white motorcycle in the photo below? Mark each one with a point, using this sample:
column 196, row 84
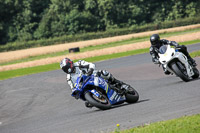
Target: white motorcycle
column 177, row 63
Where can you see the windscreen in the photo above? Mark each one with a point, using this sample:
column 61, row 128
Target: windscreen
column 163, row 49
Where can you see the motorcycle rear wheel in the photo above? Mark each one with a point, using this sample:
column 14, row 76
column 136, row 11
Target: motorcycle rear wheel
column 132, row 95
column 102, row 103
column 177, row 67
column 196, row 73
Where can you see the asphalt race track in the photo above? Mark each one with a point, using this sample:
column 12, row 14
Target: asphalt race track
column 41, row 103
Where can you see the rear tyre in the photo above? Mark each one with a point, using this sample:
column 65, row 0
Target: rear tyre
column 196, row 73
column 132, row 95
column 102, row 103
column 180, row 70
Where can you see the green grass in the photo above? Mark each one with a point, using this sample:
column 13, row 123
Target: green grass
column 44, row 68
column 54, row 66
column 195, row 54
column 186, row 124
column 27, row 71
column 113, row 44
column 190, row 42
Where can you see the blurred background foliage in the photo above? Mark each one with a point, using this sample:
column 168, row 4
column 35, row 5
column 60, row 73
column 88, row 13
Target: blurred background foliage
column 28, row 20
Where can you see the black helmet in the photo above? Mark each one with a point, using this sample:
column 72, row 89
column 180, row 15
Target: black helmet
column 67, row 65
column 155, row 39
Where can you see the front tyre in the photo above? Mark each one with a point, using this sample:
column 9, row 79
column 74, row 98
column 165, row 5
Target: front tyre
column 132, row 95
column 180, row 70
column 102, row 103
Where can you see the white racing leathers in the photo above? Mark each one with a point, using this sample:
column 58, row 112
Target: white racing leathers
column 80, row 66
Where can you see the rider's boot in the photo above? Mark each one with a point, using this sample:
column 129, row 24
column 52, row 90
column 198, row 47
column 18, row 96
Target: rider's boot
column 192, row 61
column 165, row 70
column 88, row 105
column 113, row 82
column 123, row 87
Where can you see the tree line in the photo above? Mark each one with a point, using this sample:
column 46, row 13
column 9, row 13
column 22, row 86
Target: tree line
column 25, row 20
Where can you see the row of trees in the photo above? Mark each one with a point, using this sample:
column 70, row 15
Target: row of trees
column 24, row 20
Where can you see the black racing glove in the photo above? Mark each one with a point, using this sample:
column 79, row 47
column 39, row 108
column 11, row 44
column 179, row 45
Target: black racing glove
column 90, row 71
column 173, row 43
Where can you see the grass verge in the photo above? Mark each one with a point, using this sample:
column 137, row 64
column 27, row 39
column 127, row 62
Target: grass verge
column 186, row 124
column 54, row 66
column 113, row 44
column 44, row 68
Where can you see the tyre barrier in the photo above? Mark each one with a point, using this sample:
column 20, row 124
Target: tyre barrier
column 72, row 50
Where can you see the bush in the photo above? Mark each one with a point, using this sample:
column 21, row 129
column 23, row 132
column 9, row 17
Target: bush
column 95, row 35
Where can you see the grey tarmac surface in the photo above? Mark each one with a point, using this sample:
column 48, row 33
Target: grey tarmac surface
column 41, row 103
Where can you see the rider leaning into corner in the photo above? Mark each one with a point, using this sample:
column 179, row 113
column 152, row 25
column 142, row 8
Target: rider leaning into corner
column 156, row 43
column 73, row 71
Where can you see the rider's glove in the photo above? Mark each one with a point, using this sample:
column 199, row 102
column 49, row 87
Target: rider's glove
column 173, row 43
column 90, row 71
column 97, row 74
column 83, row 71
column 179, row 47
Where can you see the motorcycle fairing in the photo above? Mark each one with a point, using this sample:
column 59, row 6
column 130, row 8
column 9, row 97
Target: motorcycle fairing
column 112, row 95
column 166, row 58
column 184, row 60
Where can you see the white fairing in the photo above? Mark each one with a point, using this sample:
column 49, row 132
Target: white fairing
column 170, row 54
column 167, row 56
column 96, row 81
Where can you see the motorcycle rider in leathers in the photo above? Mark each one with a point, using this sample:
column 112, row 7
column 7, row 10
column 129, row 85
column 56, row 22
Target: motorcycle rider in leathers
column 73, row 71
column 156, row 43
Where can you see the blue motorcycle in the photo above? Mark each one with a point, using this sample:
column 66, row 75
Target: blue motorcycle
column 97, row 92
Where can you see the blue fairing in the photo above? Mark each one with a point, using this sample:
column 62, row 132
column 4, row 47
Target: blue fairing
column 99, row 82
column 114, row 97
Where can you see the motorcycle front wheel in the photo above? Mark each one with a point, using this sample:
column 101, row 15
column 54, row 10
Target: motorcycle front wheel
column 180, row 70
column 102, row 103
